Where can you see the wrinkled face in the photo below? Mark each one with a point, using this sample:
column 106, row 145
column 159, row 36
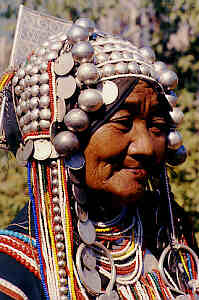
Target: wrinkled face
column 122, row 153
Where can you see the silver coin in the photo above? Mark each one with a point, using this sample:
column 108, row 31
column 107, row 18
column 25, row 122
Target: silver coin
column 109, row 92
column 54, row 153
column 61, row 109
column 28, row 149
column 112, row 296
column 92, row 280
column 64, row 64
column 20, row 159
column 66, row 87
column 89, row 258
column 42, row 149
column 81, row 214
column 87, row 232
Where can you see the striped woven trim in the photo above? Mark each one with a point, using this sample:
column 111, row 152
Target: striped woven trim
column 11, row 290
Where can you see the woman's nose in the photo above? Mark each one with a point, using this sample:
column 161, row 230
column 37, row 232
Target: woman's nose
column 140, row 140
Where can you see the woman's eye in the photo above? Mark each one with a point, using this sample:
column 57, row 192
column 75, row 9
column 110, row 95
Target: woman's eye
column 159, row 127
column 123, row 124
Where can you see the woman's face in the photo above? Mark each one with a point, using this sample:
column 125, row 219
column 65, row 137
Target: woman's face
column 122, row 153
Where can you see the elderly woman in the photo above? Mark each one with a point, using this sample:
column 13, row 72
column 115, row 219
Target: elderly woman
column 94, row 120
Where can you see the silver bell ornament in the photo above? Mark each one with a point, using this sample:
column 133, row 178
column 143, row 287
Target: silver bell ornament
column 66, row 143
column 159, row 66
column 174, row 140
column 133, row 68
column 148, row 54
column 86, row 23
column 177, row 115
column 77, row 33
column 172, row 98
column 76, row 120
column 177, row 157
column 88, row 73
column 82, row 52
column 121, row 68
column 169, row 79
column 90, row 100
column 145, row 70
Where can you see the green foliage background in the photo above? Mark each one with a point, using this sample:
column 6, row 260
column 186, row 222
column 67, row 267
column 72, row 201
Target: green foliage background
column 172, row 29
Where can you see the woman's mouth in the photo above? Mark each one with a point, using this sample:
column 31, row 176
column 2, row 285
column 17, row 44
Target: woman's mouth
column 138, row 173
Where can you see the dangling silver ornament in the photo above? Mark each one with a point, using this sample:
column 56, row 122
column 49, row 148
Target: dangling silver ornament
column 27, row 117
column 77, row 33
column 89, row 258
column 145, row 70
column 90, row 100
column 108, row 70
column 174, row 140
column 159, row 66
column 133, row 68
column 24, row 106
column 76, row 120
column 62, row 83
column 121, row 68
column 86, row 23
column 64, row 63
column 88, row 73
column 51, row 55
column 147, row 53
column 18, row 90
column 177, row 157
column 168, row 79
column 101, row 57
column 177, row 115
column 172, row 98
column 43, row 67
column 82, row 52
column 40, row 51
column 66, row 143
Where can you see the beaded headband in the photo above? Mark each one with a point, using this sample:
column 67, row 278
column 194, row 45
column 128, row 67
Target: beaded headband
column 68, row 82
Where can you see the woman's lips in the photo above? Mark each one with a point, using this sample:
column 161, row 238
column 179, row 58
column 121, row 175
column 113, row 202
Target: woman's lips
column 137, row 172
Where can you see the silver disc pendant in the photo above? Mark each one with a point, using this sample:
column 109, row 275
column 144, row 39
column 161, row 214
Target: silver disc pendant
column 87, row 232
column 28, row 149
column 66, row 87
column 92, row 280
column 42, row 149
column 20, row 159
column 109, row 92
column 112, row 296
column 61, row 109
column 64, row 64
column 89, row 258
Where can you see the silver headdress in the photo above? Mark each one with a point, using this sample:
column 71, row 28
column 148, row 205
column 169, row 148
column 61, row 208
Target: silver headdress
column 74, row 75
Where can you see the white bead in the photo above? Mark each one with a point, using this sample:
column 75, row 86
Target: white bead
column 44, row 89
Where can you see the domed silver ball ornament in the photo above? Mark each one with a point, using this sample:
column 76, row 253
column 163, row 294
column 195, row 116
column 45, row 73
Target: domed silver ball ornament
column 174, row 140
column 24, row 96
column 148, row 54
column 88, row 73
column 34, row 70
column 145, row 70
column 90, row 100
column 66, row 143
column 34, row 79
column 39, row 61
column 82, row 52
column 177, row 115
column 21, row 73
column 172, row 98
column 35, row 90
column 22, row 83
column 56, row 46
column 76, row 120
column 27, row 80
column 44, row 89
column 101, row 57
column 26, row 129
column 33, row 59
column 121, row 68
column 108, row 70
column 45, row 114
column 24, row 106
column 159, row 66
column 177, row 157
column 44, row 124
column 77, row 33
column 133, row 68
column 44, row 101
column 28, row 91
column 86, row 23
column 28, row 68
column 43, row 67
column 44, row 78
column 115, row 55
column 169, row 79
column 34, row 126
column 35, row 114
